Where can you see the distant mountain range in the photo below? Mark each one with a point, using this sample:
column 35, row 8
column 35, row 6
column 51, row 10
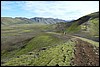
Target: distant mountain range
column 22, row 20
column 59, row 44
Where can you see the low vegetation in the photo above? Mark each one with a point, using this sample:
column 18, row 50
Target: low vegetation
column 60, row 44
column 60, row 55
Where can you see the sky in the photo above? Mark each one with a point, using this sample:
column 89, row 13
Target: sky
column 66, row 10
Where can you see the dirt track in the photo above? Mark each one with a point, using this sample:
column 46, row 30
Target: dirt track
column 85, row 54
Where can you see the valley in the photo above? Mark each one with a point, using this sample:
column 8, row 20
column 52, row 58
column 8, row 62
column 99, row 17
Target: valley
column 74, row 43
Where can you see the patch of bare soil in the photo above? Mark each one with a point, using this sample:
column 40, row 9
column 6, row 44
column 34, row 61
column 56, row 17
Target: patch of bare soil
column 85, row 54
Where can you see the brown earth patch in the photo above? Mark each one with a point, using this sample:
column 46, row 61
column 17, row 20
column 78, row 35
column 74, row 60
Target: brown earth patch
column 85, row 54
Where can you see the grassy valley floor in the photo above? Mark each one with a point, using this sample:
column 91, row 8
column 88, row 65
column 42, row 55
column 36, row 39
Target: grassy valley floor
column 36, row 45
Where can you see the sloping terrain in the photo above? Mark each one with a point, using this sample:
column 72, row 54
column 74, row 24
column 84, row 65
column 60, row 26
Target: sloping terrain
column 86, row 54
column 16, row 36
column 63, row 44
column 72, row 52
column 86, row 26
column 46, row 20
column 22, row 20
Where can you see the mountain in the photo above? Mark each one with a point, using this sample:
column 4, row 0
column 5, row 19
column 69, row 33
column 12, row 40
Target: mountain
column 46, row 20
column 62, row 44
column 21, row 20
column 11, row 21
column 86, row 26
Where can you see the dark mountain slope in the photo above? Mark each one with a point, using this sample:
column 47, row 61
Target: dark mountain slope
column 86, row 26
column 41, row 46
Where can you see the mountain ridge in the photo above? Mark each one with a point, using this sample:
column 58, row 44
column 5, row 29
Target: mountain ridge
column 62, row 44
column 23, row 20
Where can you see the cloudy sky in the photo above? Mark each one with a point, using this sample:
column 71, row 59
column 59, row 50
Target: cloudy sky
column 66, row 10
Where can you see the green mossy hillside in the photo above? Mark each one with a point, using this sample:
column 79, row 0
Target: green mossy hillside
column 60, row 55
column 42, row 40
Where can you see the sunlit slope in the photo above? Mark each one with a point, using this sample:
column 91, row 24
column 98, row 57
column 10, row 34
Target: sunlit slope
column 56, row 54
column 86, row 26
